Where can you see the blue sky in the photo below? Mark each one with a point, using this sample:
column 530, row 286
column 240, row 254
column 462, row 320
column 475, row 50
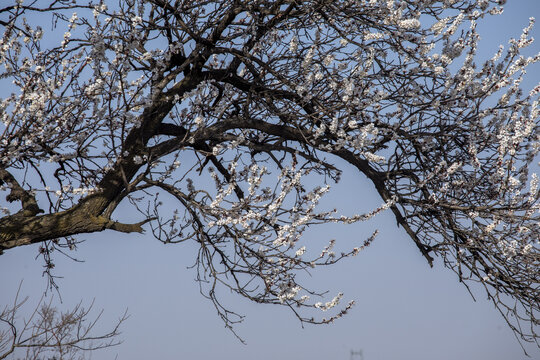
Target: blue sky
column 405, row 310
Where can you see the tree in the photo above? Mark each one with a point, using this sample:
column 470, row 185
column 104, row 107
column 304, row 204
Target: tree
column 243, row 111
column 64, row 335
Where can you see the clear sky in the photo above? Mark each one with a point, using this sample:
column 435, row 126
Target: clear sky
column 404, row 311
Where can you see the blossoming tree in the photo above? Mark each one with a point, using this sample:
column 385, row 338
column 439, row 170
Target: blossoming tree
column 244, row 112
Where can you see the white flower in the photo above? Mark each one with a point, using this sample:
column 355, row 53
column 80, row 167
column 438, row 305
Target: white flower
column 490, row 227
column 146, row 56
column 374, row 158
column 329, row 304
column 533, row 188
column 293, row 45
column 328, row 59
column 301, row 251
column 409, row 24
column 453, row 168
column 513, row 182
column 137, row 160
column 136, row 20
column 199, row 121
column 526, row 249
column 308, row 58
column 373, row 36
column 439, row 26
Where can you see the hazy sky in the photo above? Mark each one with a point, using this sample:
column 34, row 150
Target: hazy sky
column 404, row 311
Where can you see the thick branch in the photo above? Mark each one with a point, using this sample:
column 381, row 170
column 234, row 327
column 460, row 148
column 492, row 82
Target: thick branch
column 17, row 230
column 28, row 201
